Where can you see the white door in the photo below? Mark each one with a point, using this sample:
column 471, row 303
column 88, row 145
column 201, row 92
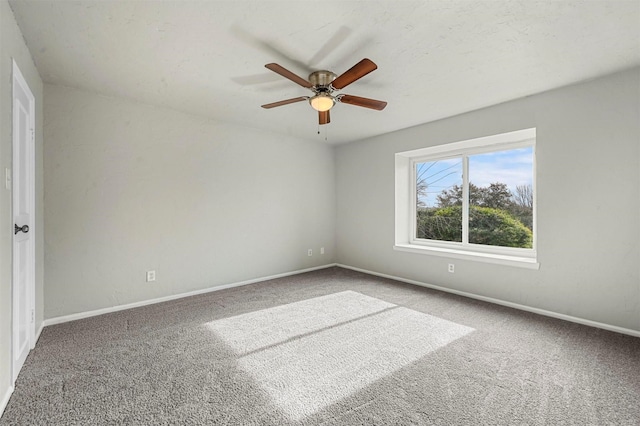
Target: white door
column 23, row 208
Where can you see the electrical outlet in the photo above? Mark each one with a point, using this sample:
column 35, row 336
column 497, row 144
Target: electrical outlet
column 309, row 252
column 452, row 268
column 321, row 250
column 151, row 276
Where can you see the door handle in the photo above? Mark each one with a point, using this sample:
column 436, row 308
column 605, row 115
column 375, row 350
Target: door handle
column 24, row 228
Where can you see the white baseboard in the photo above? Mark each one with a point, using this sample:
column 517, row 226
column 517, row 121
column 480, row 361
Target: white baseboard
column 81, row 315
column 5, row 400
column 39, row 332
column 544, row 312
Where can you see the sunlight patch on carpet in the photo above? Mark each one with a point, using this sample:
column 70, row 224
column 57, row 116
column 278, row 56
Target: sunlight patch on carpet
column 316, row 352
column 256, row 330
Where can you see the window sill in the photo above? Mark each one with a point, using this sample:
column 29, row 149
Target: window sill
column 500, row 259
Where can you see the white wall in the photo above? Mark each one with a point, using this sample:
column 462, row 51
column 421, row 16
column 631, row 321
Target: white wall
column 12, row 47
column 132, row 187
column 588, row 141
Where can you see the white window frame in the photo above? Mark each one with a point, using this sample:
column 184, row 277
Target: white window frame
column 406, row 201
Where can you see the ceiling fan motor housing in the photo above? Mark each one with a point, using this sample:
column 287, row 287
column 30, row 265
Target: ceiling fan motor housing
column 321, row 79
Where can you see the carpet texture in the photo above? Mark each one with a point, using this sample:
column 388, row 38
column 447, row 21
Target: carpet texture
column 332, row 347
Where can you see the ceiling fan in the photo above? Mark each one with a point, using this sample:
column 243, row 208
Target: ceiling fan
column 323, row 83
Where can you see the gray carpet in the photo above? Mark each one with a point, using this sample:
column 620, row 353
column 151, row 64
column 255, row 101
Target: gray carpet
column 327, row 347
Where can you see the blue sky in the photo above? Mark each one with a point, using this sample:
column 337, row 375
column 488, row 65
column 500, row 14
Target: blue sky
column 513, row 167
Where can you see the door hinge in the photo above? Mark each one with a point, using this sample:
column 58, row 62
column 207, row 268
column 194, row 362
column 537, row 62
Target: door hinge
column 33, row 135
column 33, row 316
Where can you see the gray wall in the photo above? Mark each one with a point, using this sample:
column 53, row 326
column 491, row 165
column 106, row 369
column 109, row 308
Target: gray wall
column 588, row 162
column 12, row 46
column 131, row 188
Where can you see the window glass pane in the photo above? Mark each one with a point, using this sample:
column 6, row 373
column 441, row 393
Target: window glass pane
column 501, row 198
column 439, row 200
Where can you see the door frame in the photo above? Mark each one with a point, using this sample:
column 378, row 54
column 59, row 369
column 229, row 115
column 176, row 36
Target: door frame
column 19, row 80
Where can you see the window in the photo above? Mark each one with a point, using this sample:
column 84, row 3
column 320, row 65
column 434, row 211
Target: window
column 472, row 199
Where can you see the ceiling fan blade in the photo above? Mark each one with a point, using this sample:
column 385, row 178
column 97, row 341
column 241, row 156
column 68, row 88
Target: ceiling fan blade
column 285, row 102
column 362, row 102
column 323, row 117
column 288, row 74
column 354, row 73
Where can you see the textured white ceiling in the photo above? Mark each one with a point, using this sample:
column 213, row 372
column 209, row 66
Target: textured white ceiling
column 435, row 58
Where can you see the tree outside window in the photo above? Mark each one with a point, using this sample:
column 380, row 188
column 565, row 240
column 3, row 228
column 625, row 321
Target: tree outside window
column 484, row 199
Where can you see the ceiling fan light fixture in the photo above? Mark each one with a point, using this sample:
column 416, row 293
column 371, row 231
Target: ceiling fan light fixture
column 322, row 102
